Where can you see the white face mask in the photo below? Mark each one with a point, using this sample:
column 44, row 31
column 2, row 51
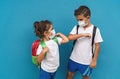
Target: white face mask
column 82, row 23
column 53, row 34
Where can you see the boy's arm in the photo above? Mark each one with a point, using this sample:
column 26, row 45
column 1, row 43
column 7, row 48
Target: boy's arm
column 64, row 38
column 76, row 36
column 41, row 56
column 96, row 53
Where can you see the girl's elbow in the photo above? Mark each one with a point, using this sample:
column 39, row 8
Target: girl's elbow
column 39, row 59
column 67, row 40
column 70, row 38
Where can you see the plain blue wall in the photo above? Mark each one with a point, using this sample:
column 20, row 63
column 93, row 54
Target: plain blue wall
column 17, row 35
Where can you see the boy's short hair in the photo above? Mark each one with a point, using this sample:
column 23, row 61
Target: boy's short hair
column 82, row 10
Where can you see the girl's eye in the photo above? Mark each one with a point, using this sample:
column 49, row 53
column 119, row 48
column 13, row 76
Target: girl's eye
column 52, row 29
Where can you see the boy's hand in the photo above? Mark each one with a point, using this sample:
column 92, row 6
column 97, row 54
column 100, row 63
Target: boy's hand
column 93, row 64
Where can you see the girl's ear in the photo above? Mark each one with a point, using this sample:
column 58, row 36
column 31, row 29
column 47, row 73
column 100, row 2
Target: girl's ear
column 45, row 33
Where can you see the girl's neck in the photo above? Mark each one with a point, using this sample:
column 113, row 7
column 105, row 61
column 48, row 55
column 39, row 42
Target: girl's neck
column 46, row 38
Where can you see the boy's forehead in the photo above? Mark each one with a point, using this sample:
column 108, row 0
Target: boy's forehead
column 80, row 17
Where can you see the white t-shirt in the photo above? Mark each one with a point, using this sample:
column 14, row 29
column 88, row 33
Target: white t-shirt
column 51, row 62
column 82, row 51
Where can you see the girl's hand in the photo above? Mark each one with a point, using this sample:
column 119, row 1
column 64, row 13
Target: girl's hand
column 64, row 38
column 45, row 49
column 58, row 34
column 41, row 56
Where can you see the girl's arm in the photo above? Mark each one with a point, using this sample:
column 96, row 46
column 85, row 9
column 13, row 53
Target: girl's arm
column 41, row 56
column 64, row 38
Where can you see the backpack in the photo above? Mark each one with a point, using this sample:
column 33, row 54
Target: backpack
column 93, row 36
column 35, row 46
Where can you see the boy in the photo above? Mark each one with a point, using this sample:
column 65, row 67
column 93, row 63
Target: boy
column 82, row 59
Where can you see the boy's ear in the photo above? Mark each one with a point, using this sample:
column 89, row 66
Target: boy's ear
column 88, row 17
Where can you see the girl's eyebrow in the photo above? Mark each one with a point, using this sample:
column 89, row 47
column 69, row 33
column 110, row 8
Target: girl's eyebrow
column 52, row 29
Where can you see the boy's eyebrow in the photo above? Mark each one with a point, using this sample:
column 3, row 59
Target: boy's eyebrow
column 79, row 19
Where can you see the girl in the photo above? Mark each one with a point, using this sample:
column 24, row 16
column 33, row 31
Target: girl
column 48, row 58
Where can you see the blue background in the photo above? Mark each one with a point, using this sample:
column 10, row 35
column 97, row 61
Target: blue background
column 17, row 34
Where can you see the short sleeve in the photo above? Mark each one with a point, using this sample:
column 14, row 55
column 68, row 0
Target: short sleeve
column 73, row 30
column 98, row 37
column 59, row 40
column 39, row 50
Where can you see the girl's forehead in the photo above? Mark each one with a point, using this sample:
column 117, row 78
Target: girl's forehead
column 51, row 26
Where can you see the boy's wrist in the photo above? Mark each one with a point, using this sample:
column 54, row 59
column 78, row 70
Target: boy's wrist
column 94, row 59
column 81, row 35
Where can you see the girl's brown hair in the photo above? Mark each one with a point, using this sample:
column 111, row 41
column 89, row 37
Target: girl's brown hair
column 41, row 27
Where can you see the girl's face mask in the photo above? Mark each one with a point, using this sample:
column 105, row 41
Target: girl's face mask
column 53, row 33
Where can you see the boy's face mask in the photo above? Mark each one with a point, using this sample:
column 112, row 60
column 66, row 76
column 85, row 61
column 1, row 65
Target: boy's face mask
column 82, row 23
column 53, row 34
